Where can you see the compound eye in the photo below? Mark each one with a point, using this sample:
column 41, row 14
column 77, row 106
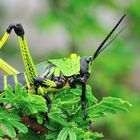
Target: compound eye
column 88, row 59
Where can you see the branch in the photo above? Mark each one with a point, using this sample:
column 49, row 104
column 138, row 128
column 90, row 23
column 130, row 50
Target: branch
column 32, row 123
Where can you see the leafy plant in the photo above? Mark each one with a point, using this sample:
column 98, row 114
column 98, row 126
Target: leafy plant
column 23, row 115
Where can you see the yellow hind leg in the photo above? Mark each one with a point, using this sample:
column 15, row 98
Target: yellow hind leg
column 7, row 68
column 3, row 65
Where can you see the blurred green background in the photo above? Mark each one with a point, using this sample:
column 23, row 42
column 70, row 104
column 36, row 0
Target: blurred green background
column 56, row 28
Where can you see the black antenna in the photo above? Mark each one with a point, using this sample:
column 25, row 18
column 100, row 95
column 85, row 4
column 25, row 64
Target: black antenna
column 111, row 40
column 99, row 49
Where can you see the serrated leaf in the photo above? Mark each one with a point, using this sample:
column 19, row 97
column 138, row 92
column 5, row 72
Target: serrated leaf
column 72, row 134
column 63, row 134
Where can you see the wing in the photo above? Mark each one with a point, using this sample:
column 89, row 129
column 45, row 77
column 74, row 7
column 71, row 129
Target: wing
column 41, row 67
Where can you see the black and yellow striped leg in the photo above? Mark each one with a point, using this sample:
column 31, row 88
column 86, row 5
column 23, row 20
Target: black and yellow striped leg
column 27, row 59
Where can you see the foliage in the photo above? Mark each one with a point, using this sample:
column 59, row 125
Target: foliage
column 65, row 118
column 86, row 22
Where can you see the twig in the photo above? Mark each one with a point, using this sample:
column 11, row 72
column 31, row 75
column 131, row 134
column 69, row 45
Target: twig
column 32, row 123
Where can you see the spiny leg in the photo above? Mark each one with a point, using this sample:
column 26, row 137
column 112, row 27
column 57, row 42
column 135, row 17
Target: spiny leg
column 7, row 68
column 27, row 59
column 28, row 62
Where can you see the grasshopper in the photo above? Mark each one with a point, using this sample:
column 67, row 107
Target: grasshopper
column 51, row 75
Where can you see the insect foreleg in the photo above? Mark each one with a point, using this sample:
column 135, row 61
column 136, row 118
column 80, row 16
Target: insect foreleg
column 83, row 99
column 81, row 80
column 48, row 100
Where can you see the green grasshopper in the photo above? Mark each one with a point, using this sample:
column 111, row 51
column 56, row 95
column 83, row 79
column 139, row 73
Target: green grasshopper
column 52, row 75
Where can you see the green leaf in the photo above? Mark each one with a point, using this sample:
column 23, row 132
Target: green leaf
column 52, row 135
column 8, row 128
column 28, row 103
column 114, row 106
column 2, row 133
column 63, row 134
column 51, row 126
column 69, row 66
column 9, row 92
column 57, row 118
column 89, row 95
column 72, row 134
column 70, row 102
column 108, row 105
column 9, row 122
column 118, row 101
column 21, row 127
column 39, row 118
column 2, row 95
column 76, row 91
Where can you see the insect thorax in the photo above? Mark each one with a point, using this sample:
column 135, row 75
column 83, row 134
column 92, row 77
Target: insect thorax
column 58, row 73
